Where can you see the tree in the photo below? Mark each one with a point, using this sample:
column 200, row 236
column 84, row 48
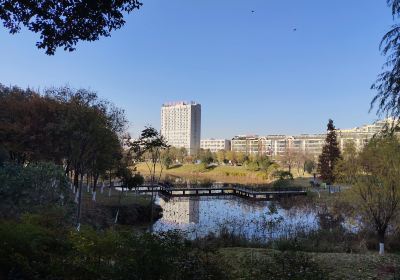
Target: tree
column 376, row 184
column 65, row 23
column 309, row 166
column 149, row 148
column 387, row 84
column 240, row 157
column 90, row 130
column 29, row 126
column 206, row 157
column 329, row 156
column 287, row 159
column 231, row 156
column 135, row 181
column 346, row 167
column 181, row 154
column 264, row 162
column 221, row 156
column 167, row 159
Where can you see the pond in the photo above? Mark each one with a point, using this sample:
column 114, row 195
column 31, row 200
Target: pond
column 253, row 220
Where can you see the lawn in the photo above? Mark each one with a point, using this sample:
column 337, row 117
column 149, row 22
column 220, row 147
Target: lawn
column 127, row 198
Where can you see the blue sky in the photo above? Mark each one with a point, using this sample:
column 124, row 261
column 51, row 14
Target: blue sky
column 250, row 71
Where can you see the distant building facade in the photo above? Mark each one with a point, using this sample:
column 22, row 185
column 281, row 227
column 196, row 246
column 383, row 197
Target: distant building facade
column 181, row 125
column 215, row 145
column 311, row 144
column 246, row 144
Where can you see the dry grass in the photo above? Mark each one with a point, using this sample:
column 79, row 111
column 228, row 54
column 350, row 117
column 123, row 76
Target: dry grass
column 222, row 173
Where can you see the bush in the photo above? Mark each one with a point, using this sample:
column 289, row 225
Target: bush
column 31, row 250
column 281, row 266
column 283, row 175
column 31, row 188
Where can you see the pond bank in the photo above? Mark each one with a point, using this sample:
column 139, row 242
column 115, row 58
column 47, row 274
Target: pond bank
column 132, row 210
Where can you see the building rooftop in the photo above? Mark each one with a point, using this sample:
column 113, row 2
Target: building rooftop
column 177, row 103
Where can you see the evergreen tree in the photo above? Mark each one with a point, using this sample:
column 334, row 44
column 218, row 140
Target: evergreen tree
column 329, row 156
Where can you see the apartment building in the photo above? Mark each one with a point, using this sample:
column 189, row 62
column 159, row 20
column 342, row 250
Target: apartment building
column 246, row 144
column 215, row 145
column 311, row 144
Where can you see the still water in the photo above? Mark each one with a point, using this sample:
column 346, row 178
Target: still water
column 253, row 220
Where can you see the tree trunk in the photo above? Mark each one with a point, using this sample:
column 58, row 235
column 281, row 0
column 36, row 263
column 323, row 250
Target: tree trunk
column 76, row 185
column 381, row 237
column 109, row 187
column 87, row 183
column 78, row 218
column 95, row 178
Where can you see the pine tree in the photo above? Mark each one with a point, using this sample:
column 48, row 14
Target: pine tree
column 329, row 156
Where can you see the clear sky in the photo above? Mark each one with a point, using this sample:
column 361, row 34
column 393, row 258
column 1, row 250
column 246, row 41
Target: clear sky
column 252, row 73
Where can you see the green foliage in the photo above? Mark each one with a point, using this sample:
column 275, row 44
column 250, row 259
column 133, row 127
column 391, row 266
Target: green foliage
column 329, row 156
column 135, row 181
column 73, row 128
column 309, row 166
column 252, row 166
column 149, row 148
column 377, row 188
column 258, row 163
column 386, row 85
column 31, row 188
column 283, row 175
column 167, row 160
column 31, row 251
column 346, row 167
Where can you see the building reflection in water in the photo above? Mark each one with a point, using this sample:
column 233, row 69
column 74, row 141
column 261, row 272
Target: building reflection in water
column 181, row 210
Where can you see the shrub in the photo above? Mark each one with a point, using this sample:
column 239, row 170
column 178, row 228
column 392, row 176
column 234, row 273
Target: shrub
column 281, row 266
column 31, row 188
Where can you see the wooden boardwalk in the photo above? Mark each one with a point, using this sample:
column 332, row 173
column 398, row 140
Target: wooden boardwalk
column 218, row 191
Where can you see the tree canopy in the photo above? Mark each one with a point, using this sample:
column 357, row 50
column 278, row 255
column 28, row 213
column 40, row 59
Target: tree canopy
column 375, row 174
column 65, row 23
column 387, row 84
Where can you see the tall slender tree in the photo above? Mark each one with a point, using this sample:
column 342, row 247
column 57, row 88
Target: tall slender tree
column 149, row 148
column 329, row 156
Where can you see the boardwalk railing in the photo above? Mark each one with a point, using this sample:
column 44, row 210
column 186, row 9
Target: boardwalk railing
column 249, row 193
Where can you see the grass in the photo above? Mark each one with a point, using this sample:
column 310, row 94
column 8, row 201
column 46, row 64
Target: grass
column 221, row 173
column 127, row 198
column 336, row 265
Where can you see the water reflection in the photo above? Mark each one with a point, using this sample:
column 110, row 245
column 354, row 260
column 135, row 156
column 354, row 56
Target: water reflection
column 255, row 220
column 181, row 211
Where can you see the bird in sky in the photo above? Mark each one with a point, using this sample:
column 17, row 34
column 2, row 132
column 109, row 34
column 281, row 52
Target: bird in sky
column 252, row 11
column 294, row 29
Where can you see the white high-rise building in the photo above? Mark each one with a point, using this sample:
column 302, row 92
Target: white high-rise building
column 181, row 125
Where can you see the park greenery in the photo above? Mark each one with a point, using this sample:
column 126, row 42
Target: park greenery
column 233, row 164
column 54, row 143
